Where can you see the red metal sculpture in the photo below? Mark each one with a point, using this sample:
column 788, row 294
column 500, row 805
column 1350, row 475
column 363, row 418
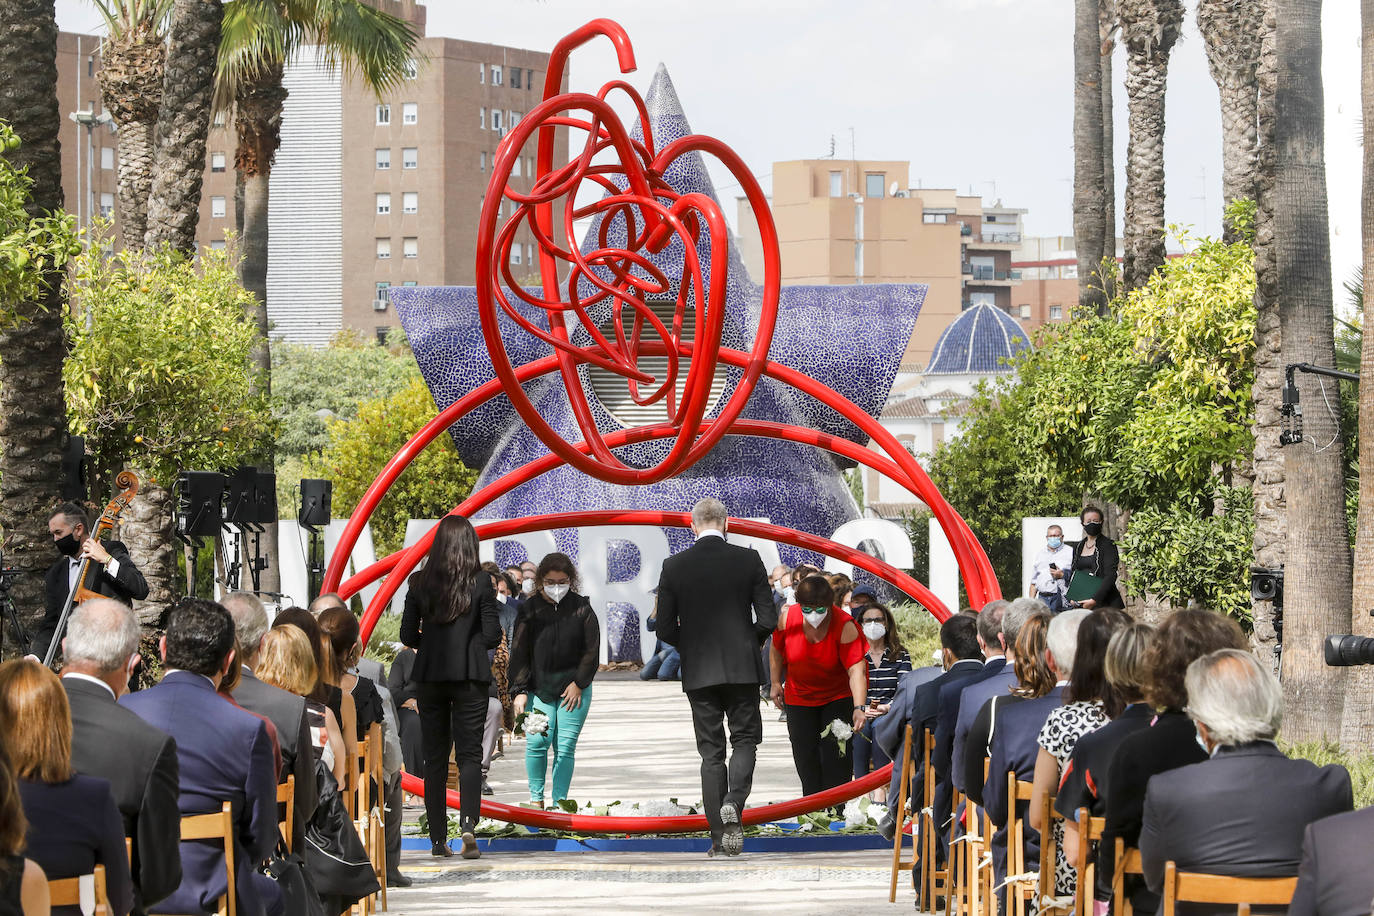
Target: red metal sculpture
column 653, row 215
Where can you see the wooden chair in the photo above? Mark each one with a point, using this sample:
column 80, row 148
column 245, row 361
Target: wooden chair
column 1020, row 892
column 216, row 827
column 899, row 816
column 935, row 881
column 974, row 845
column 68, row 892
column 369, row 819
column 286, row 808
column 987, row 872
column 1048, row 849
column 1242, row 893
column 1127, row 863
column 1089, row 830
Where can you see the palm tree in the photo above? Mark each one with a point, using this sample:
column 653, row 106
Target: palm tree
column 1149, row 28
column 1106, row 19
column 132, row 61
column 259, row 38
column 183, row 123
column 33, row 409
column 1089, row 194
column 1232, row 33
column 1317, row 570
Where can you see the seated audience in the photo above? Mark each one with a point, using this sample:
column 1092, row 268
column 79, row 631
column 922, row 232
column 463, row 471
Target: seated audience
column 1205, row 817
column 224, row 755
column 1089, row 702
column 1170, row 740
column 887, row 662
column 226, row 690
column 73, row 822
column 327, row 688
column 101, row 649
column 23, row 886
column 989, row 621
column 1334, row 878
column 286, row 660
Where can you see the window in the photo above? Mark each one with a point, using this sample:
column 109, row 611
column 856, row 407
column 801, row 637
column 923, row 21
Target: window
column 382, row 332
column 1056, row 312
column 515, row 254
column 410, row 247
column 384, row 114
column 410, row 157
column 90, row 66
column 217, row 207
column 107, row 158
column 383, row 249
column 412, row 69
column 384, row 157
column 106, row 204
column 410, row 202
column 383, row 203
column 873, row 185
column 495, row 75
column 529, row 79
column 410, row 113
column 513, row 119
column 1025, row 312
column 496, row 119
column 383, row 293
column 482, row 118
column 482, row 74
column 409, row 283
column 482, row 161
column 515, row 77
column 217, row 161
column 515, row 170
column 837, row 184
column 982, row 299
column 217, row 245
column 929, row 217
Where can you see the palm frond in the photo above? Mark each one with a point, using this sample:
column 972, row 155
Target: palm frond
column 123, row 17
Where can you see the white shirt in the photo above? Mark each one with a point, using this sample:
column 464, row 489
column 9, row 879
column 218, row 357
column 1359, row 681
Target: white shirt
column 992, row 658
column 1040, row 568
column 112, row 568
column 76, row 675
column 711, row 533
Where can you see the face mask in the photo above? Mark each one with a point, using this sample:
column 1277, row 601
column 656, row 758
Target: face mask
column 555, row 593
column 1055, row 543
column 874, row 630
column 815, row 618
column 789, row 594
column 67, row 545
column 502, row 598
column 1092, row 529
column 527, row 586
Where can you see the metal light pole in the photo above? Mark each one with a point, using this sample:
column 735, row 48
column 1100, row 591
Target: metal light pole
column 90, row 120
column 858, row 238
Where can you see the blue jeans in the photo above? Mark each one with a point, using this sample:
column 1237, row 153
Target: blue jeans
column 664, row 664
column 867, row 755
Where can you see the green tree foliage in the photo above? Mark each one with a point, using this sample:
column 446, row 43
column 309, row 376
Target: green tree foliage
column 29, row 246
column 159, row 375
column 359, row 449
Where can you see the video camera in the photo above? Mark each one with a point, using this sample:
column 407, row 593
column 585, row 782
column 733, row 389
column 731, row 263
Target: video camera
column 1342, row 651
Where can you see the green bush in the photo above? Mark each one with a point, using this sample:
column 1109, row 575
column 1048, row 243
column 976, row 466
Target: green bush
column 1360, row 765
column 919, row 631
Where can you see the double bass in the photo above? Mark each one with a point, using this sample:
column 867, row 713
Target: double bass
column 126, row 488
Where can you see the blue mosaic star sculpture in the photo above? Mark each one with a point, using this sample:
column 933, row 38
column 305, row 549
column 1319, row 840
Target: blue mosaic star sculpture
column 851, row 338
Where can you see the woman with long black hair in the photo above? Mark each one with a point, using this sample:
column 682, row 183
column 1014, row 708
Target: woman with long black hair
column 451, row 621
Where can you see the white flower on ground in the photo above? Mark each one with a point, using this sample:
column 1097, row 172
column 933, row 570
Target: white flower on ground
column 854, row 814
column 877, row 812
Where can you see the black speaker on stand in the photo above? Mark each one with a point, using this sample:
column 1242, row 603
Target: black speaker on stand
column 200, row 514
column 316, row 496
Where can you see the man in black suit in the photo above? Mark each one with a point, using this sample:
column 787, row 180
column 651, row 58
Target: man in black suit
column 112, row 573
column 716, row 606
column 1334, row 878
column 1204, row 817
column 285, row 710
column 108, row 741
column 989, row 636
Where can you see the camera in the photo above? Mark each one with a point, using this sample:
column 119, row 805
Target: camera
column 1266, row 584
column 1349, row 650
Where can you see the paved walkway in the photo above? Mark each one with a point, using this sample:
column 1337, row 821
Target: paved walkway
column 637, row 745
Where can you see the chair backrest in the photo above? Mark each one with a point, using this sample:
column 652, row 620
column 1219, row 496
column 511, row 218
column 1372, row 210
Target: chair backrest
column 1127, row 863
column 1018, row 790
column 68, row 892
column 1048, row 847
column 1089, row 831
column 286, row 807
column 1242, row 893
column 218, row 826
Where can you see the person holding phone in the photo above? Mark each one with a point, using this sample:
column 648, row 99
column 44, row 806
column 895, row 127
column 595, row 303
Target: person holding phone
column 1049, row 570
column 1095, row 556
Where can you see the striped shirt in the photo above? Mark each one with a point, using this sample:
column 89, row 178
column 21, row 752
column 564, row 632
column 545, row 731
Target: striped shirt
column 882, row 679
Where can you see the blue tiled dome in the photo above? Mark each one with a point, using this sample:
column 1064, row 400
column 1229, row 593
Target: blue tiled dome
column 977, row 341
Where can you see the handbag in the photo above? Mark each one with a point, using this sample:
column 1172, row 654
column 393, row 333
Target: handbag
column 297, row 890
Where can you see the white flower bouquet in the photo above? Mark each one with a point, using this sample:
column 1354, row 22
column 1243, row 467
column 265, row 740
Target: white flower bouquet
column 841, row 731
column 532, row 722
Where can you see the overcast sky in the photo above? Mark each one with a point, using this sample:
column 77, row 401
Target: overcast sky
column 976, row 94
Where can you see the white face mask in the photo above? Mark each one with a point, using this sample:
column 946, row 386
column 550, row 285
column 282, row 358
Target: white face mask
column 527, row 586
column 815, row 618
column 874, row 630
column 789, row 594
column 502, row 598
column 555, row 593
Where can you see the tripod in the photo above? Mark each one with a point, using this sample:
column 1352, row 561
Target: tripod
column 11, row 612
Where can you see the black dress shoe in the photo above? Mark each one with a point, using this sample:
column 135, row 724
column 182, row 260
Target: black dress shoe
column 486, row 788
column 732, row 833
column 887, row 827
column 440, row 850
column 398, row 880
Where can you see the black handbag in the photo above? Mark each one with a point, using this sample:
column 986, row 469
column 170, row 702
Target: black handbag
column 334, row 855
column 297, row 890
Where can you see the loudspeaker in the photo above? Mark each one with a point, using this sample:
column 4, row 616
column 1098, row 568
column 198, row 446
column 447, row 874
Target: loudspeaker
column 240, row 503
column 200, row 503
column 266, row 498
column 74, row 470
column 315, row 500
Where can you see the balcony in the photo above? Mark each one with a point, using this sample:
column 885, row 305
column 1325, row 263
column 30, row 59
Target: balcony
column 986, row 276
column 997, row 237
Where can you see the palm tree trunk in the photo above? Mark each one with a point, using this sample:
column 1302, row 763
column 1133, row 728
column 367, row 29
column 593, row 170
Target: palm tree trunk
column 1317, row 572
column 1150, row 28
column 33, row 409
column 135, row 180
column 132, row 68
column 1232, row 34
column 1271, row 519
column 183, row 123
column 147, row 529
column 1089, row 196
column 1106, row 26
column 1357, row 730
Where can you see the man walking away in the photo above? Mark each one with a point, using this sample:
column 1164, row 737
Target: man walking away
column 716, row 606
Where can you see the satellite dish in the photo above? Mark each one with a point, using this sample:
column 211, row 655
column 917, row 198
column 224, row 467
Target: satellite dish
column 892, row 189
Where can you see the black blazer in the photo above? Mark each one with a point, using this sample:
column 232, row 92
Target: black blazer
column 454, row 651
column 143, row 777
column 287, row 712
column 716, row 606
column 1334, row 878
column 1107, row 559
column 73, row 827
column 128, row 586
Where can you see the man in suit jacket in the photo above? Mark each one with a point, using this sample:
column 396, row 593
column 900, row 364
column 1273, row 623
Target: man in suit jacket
column 1334, row 878
column 1204, row 817
column 112, row 573
column 101, row 651
column 715, row 605
column 224, row 756
column 284, row 709
column 994, row 655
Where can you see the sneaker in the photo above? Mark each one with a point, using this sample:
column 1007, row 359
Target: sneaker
column 732, row 833
column 487, row 789
column 535, row 803
column 440, row 850
column 470, row 850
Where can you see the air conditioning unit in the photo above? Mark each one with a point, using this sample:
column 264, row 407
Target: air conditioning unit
column 379, row 305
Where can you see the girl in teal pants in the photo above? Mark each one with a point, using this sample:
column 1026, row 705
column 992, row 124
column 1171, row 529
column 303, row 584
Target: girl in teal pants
column 553, row 659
